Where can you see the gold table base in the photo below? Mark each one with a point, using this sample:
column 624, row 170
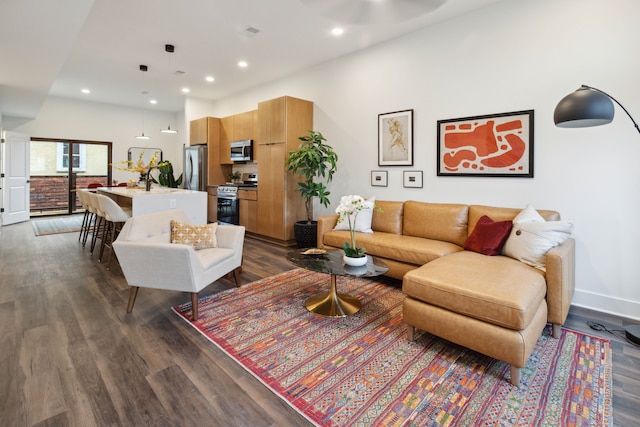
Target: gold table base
column 333, row 304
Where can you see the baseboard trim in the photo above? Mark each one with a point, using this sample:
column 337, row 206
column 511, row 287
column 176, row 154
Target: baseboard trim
column 607, row 304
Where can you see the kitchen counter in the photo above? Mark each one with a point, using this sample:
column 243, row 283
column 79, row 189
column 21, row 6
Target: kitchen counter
column 158, row 199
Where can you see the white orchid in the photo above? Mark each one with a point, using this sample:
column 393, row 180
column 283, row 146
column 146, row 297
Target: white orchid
column 349, row 208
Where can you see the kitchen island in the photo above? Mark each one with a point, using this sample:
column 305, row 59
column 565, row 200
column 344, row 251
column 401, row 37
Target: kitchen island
column 158, row 199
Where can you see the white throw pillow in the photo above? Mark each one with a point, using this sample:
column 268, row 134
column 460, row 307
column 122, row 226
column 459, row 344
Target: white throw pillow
column 532, row 237
column 528, row 214
column 363, row 220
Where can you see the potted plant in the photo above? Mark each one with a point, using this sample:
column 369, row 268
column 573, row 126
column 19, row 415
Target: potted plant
column 313, row 159
column 165, row 176
column 234, row 177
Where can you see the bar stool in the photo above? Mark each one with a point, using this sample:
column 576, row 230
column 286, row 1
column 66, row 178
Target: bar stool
column 98, row 221
column 114, row 216
column 87, row 218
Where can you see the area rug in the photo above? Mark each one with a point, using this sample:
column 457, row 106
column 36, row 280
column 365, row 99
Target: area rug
column 56, row 225
column 362, row 371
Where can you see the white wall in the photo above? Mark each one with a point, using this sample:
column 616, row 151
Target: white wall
column 515, row 55
column 69, row 119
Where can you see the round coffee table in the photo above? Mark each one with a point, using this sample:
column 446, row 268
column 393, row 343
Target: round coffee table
column 333, row 303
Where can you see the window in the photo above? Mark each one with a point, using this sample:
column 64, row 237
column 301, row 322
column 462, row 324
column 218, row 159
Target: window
column 78, row 157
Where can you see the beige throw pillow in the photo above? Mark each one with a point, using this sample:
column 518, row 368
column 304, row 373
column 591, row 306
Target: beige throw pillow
column 532, row 237
column 198, row 236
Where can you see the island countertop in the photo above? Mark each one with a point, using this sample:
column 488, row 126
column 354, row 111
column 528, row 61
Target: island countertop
column 158, row 199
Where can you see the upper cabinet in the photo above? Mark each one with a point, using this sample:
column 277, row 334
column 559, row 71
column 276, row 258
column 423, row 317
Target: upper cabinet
column 272, row 119
column 207, row 130
column 237, row 128
column 198, row 131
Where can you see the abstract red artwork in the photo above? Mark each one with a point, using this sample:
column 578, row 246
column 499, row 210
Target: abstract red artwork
column 490, row 145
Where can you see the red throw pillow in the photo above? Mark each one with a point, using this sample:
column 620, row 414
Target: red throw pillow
column 488, row 237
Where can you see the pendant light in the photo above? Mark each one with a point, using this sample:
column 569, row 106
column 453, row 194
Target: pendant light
column 144, row 69
column 169, row 48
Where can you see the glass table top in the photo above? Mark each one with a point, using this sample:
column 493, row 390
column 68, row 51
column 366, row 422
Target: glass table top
column 331, row 263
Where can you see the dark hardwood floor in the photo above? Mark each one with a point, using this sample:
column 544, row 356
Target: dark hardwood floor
column 70, row 355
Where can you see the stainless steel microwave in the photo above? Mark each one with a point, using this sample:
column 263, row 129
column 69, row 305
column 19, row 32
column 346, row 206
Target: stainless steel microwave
column 242, row 151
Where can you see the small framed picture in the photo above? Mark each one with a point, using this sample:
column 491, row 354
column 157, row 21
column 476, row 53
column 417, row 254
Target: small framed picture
column 378, row 178
column 395, row 138
column 412, row 179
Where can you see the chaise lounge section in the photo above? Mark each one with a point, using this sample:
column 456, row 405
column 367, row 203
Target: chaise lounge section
column 496, row 305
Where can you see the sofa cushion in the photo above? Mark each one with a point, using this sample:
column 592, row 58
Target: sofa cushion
column 488, row 236
column 389, row 217
column 446, row 222
column 408, row 249
column 497, row 290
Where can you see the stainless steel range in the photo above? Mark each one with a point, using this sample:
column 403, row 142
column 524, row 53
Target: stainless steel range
column 228, row 205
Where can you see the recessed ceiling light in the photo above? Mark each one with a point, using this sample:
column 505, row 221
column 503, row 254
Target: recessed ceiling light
column 185, row 90
column 243, row 64
column 153, row 101
column 209, row 79
column 86, row 91
column 337, row 31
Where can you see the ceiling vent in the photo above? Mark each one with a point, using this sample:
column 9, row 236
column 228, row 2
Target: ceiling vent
column 250, row 32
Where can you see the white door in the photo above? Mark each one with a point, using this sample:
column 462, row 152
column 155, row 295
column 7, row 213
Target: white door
column 15, row 180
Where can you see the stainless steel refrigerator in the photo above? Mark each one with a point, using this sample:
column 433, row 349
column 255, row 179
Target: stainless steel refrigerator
column 195, row 168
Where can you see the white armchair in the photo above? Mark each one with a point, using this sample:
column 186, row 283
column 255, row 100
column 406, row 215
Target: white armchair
column 148, row 258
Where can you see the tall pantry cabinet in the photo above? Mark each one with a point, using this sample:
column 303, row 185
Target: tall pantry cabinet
column 281, row 122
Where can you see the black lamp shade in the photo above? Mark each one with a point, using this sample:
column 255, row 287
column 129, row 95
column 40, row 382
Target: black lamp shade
column 583, row 108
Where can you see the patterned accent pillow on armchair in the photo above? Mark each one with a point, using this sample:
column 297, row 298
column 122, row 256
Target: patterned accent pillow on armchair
column 198, row 236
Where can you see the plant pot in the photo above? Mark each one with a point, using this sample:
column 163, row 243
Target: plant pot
column 306, row 234
column 354, row 262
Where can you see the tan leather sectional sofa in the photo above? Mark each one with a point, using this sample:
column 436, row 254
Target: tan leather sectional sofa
column 495, row 305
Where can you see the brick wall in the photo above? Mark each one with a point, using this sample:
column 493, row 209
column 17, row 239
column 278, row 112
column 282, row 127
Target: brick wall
column 50, row 193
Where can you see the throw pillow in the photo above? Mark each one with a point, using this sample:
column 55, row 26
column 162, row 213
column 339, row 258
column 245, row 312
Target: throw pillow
column 528, row 214
column 488, row 236
column 532, row 237
column 198, row 236
column 363, row 220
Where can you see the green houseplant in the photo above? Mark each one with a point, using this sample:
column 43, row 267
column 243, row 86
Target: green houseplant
column 313, row 159
column 165, row 175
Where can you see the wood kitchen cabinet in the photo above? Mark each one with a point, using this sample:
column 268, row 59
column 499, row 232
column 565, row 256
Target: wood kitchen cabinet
column 198, row 131
column 237, row 128
column 248, row 209
column 207, row 131
column 226, row 136
column 281, row 122
column 212, row 204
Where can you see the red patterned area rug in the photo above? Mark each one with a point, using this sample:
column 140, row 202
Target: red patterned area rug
column 362, row 371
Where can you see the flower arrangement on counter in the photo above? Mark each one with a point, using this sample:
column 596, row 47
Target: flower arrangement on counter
column 349, row 208
column 137, row 166
column 140, row 167
column 165, row 171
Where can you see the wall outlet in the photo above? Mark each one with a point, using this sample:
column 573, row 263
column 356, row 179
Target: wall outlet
column 172, row 203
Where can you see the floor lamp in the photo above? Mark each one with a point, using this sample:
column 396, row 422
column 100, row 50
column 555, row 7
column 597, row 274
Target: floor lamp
column 587, row 107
